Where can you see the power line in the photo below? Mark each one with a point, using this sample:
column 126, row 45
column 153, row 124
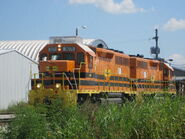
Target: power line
column 178, row 64
column 130, row 41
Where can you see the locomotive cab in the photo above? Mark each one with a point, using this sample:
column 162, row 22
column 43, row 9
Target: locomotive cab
column 168, row 78
column 67, row 59
column 167, row 72
column 61, row 58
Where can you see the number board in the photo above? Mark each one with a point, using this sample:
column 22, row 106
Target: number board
column 68, row 48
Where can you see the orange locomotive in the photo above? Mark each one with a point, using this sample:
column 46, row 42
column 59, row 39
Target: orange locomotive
column 74, row 71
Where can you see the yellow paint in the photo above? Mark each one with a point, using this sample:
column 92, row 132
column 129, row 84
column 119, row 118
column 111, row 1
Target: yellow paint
column 54, row 68
column 107, row 73
column 51, row 68
column 69, row 97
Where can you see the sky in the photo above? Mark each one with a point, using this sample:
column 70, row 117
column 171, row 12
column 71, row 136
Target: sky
column 126, row 25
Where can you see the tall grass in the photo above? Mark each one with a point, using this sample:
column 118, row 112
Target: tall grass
column 148, row 119
column 151, row 118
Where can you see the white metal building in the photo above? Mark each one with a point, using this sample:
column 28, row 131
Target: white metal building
column 15, row 74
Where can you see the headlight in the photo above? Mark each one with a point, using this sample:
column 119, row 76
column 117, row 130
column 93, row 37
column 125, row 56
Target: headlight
column 58, row 85
column 39, row 85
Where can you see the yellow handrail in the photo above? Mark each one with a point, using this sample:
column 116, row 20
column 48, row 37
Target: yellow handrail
column 53, row 77
column 42, row 76
column 81, row 63
column 62, row 81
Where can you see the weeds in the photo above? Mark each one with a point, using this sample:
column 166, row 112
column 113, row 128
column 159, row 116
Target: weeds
column 151, row 118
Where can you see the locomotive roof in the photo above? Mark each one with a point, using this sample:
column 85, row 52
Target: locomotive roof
column 77, row 39
column 168, row 66
column 87, row 49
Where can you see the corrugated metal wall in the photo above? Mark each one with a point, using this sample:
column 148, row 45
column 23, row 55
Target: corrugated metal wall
column 15, row 74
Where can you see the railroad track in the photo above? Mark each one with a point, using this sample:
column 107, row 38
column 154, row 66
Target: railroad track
column 5, row 118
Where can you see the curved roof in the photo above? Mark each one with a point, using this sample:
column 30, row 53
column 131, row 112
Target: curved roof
column 30, row 49
column 95, row 43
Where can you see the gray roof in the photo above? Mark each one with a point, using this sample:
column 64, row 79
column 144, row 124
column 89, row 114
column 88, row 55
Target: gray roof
column 95, row 42
column 4, row 51
column 30, row 49
column 179, row 72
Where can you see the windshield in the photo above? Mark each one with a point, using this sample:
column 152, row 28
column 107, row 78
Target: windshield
column 44, row 58
column 69, row 56
column 56, row 57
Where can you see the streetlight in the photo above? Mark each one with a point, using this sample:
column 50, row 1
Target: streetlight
column 169, row 61
column 82, row 27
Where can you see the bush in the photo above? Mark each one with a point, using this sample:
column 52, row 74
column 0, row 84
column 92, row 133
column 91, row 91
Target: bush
column 66, row 122
column 28, row 124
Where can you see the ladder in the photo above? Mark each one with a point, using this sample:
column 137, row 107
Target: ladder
column 74, row 77
column 64, row 74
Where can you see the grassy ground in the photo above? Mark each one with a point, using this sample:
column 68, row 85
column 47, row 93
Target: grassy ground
column 151, row 118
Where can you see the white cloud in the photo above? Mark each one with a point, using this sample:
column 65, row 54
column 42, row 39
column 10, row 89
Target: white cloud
column 124, row 7
column 174, row 24
column 178, row 59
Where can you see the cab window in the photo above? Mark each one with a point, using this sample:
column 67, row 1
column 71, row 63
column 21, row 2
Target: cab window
column 80, row 58
column 171, row 73
column 166, row 72
column 90, row 62
column 56, row 57
column 43, row 57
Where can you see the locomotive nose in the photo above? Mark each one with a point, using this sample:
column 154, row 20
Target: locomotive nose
column 57, row 66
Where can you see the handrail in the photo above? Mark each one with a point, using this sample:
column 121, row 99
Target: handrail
column 41, row 78
column 79, row 72
column 75, row 77
column 53, row 77
column 79, row 69
column 64, row 74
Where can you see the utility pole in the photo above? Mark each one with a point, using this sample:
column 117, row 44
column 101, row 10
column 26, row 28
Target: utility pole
column 156, row 50
column 156, row 38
